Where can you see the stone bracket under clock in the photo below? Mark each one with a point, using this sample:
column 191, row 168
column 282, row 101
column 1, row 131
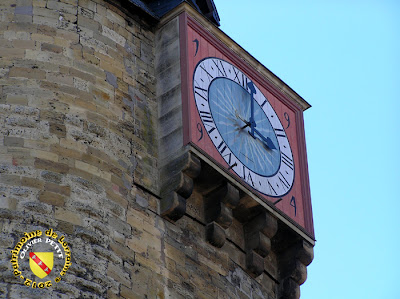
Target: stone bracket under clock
column 258, row 234
column 218, row 205
column 177, row 185
column 222, row 202
column 293, row 264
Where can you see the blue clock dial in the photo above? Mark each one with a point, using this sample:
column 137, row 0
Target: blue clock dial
column 230, row 106
column 243, row 127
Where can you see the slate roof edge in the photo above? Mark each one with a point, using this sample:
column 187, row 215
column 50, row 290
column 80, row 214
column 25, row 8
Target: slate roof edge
column 140, row 4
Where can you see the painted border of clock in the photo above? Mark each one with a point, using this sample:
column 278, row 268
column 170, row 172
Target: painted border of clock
column 196, row 44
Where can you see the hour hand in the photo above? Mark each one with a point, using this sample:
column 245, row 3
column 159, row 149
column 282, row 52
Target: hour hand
column 267, row 141
column 247, row 123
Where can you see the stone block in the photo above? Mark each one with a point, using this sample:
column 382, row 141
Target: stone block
column 52, row 198
column 216, row 266
column 88, row 168
column 258, row 242
column 24, row 44
column 86, row 12
column 112, row 68
column 51, row 166
column 168, row 79
column 236, row 256
column 218, row 204
column 167, row 35
column 73, row 145
column 63, row 190
column 8, row 203
column 89, row 4
column 21, row 291
column 175, row 254
column 168, row 55
column 66, row 227
column 289, row 289
column 254, row 263
column 32, row 182
column 17, row 99
column 118, row 274
column 82, row 75
column 123, row 252
column 51, row 48
column 13, row 141
column 173, row 206
column 20, row 18
column 11, row 53
column 45, row 155
column 24, row 10
column 40, row 20
column 58, row 129
column 44, row 12
column 39, row 3
column 141, row 201
column 215, row 234
column 120, row 226
column 114, row 36
column 23, row 2
column 51, row 176
column 62, row 7
column 115, row 18
column 293, row 260
column 112, row 79
column 170, row 122
column 128, row 293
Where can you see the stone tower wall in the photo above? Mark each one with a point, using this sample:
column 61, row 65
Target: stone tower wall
column 77, row 125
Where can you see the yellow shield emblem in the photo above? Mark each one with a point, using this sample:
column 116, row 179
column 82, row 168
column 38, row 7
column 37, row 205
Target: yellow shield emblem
column 41, row 263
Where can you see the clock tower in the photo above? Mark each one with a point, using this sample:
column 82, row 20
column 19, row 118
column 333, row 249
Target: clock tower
column 232, row 151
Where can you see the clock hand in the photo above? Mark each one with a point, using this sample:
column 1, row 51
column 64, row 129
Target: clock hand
column 246, row 125
column 268, row 142
column 246, row 122
column 250, row 86
column 252, row 123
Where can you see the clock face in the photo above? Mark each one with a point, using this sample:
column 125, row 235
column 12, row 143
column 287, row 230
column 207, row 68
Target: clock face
column 243, row 127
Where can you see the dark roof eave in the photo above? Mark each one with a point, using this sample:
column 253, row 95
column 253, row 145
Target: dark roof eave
column 140, row 4
column 137, row 10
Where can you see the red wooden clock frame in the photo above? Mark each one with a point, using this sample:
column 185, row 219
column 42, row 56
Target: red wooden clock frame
column 208, row 45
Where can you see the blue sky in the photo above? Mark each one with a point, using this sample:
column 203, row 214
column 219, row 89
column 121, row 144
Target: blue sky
column 343, row 57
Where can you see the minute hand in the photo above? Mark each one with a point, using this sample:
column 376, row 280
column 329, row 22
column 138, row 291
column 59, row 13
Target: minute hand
column 252, row 121
column 266, row 140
